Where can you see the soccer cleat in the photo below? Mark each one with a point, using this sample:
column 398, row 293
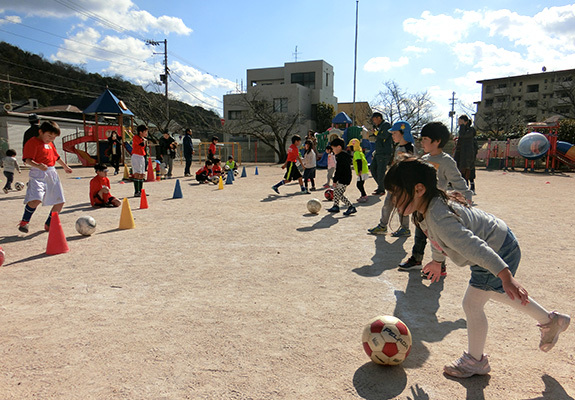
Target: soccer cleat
column 466, row 366
column 378, row 193
column 550, row 331
column 23, row 226
column 138, row 194
column 350, row 210
column 410, row 265
column 378, row 230
column 47, row 227
column 401, row 232
column 275, row 189
column 5, row 190
column 313, row 189
column 425, row 275
column 305, row 191
column 326, row 186
column 334, row 209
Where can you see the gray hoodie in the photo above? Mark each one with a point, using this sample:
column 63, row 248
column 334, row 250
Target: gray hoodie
column 469, row 237
column 447, row 172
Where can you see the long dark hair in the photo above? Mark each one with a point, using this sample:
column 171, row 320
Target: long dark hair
column 310, row 148
column 402, row 178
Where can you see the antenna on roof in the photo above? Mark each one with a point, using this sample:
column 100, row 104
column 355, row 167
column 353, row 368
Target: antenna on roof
column 295, row 54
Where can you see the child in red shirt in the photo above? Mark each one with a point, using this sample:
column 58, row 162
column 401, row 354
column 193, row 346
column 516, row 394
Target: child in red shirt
column 44, row 185
column 292, row 172
column 204, row 173
column 217, row 168
column 139, row 144
column 212, row 149
column 100, row 195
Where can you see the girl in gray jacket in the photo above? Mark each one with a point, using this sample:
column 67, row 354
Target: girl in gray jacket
column 471, row 237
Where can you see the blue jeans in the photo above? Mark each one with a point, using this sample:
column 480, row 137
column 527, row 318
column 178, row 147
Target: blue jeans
column 510, row 254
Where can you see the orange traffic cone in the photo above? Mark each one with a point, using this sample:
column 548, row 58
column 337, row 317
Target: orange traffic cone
column 143, row 200
column 126, row 217
column 57, row 243
column 150, row 177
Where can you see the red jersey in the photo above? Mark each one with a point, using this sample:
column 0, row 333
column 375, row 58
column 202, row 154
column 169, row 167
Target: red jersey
column 204, row 169
column 216, row 169
column 138, row 145
column 293, row 153
column 40, row 152
column 96, row 185
column 212, row 149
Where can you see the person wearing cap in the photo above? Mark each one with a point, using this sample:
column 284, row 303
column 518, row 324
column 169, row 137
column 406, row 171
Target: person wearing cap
column 383, row 151
column 401, row 135
column 100, row 195
column 168, row 147
column 33, row 130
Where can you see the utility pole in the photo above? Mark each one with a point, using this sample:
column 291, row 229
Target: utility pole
column 355, row 61
column 452, row 112
column 165, row 75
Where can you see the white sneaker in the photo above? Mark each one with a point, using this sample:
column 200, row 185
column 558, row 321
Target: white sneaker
column 550, row 331
column 466, row 366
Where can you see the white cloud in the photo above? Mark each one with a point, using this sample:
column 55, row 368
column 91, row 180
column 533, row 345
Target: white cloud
column 119, row 15
column 441, row 28
column 415, row 50
column 377, row 64
column 427, row 71
column 10, row 19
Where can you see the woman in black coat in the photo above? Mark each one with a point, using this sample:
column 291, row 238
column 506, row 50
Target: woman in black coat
column 466, row 151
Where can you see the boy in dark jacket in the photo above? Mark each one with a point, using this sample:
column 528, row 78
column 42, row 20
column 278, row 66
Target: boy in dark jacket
column 342, row 177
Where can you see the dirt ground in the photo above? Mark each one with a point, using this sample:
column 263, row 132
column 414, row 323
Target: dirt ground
column 241, row 294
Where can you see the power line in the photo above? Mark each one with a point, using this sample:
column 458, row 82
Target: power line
column 199, row 90
column 44, row 88
column 194, row 96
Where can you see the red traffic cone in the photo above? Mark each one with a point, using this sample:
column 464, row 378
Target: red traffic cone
column 150, row 177
column 143, row 200
column 57, row 243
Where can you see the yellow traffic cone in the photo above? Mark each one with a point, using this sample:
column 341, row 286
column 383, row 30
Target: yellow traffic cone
column 126, row 173
column 221, row 184
column 126, row 218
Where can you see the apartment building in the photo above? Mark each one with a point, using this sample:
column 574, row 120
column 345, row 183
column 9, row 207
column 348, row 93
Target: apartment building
column 295, row 88
column 509, row 103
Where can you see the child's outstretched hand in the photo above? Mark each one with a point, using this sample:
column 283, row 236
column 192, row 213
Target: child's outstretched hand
column 68, row 169
column 434, row 270
column 512, row 287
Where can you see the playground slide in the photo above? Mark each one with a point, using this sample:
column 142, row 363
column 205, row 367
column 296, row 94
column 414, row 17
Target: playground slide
column 70, row 147
column 566, row 153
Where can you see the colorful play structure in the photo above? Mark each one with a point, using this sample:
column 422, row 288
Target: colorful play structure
column 341, row 128
column 506, row 153
column 94, row 137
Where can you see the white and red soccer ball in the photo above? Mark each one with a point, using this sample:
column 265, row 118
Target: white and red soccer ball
column 386, row 340
column 328, row 194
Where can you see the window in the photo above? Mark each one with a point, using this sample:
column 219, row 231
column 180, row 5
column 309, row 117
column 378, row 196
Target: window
column 488, row 89
column 281, row 105
column 531, row 103
column 532, row 88
column 488, row 102
column 326, row 79
column 234, row 115
column 306, row 79
column 502, row 86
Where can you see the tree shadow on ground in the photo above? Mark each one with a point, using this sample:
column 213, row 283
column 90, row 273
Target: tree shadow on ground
column 417, row 306
column 379, row 382
column 387, row 256
column 553, row 390
column 77, row 207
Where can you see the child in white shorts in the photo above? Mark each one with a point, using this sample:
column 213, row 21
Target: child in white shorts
column 44, row 186
column 139, row 145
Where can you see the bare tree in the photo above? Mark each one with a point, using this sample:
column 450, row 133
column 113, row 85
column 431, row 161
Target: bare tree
column 395, row 104
column 261, row 119
column 503, row 118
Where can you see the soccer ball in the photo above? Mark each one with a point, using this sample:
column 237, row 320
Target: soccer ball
column 86, row 225
column 328, row 194
column 386, row 340
column 215, row 179
column 313, row 206
column 19, row 186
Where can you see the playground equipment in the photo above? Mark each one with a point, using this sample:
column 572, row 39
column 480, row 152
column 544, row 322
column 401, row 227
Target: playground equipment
column 554, row 151
column 223, row 151
column 105, row 105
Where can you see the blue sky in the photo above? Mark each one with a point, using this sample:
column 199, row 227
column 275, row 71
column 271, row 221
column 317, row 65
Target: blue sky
column 435, row 46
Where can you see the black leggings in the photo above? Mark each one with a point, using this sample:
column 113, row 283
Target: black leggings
column 360, row 187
